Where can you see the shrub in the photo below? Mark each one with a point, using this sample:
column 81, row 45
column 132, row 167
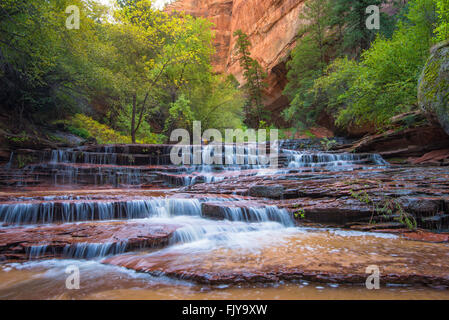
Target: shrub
column 87, row 127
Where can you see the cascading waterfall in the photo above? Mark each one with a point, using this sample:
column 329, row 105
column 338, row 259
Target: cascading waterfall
column 93, row 250
column 219, row 232
column 36, row 252
column 250, row 159
column 74, row 211
column 331, row 161
column 232, row 158
column 194, row 231
column 49, row 212
column 122, row 165
column 97, row 175
column 265, row 214
column 78, row 156
column 78, row 250
column 9, row 164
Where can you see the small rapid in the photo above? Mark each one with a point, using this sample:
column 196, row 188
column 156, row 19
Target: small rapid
column 332, row 161
column 89, row 210
column 78, row 250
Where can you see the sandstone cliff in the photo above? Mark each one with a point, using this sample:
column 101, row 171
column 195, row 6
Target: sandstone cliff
column 271, row 25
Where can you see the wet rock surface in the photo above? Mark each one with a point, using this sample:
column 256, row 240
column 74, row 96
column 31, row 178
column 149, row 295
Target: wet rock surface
column 84, row 240
column 270, row 191
column 418, row 235
column 347, row 197
column 237, row 223
column 321, row 257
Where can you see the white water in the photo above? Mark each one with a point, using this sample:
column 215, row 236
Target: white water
column 49, row 212
column 194, row 231
column 331, row 161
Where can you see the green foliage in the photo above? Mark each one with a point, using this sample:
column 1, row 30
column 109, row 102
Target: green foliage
column 125, row 66
column 218, row 103
column 348, row 18
column 39, row 56
column 442, row 30
column 81, row 132
column 91, row 128
column 180, row 116
column 308, row 61
column 23, row 160
column 382, row 84
column 143, row 134
column 20, row 138
column 269, row 128
column 328, row 144
column 254, row 81
column 333, row 29
column 300, row 214
column 387, row 207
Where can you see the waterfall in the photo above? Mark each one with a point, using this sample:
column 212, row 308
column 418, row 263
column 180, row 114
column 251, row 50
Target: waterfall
column 78, row 250
column 36, row 252
column 9, row 164
column 331, row 161
column 229, row 158
column 49, row 212
column 94, row 250
column 268, row 213
column 221, row 231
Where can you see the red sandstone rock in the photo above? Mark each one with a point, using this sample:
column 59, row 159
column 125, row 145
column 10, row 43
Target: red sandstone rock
column 419, row 235
column 327, row 197
column 413, row 142
column 316, row 257
column 427, row 236
column 433, row 156
column 16, row 243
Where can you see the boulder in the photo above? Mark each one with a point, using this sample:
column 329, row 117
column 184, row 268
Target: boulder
column 433, row 88
column 267, row 191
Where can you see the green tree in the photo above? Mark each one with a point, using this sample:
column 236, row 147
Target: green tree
column 254, row 81
column 180, row 116
column 41, row 61
column 349, row 17
column 384, row 82
column 218, row 103
column 126, row 66
column 160, row 52
column 308, row 62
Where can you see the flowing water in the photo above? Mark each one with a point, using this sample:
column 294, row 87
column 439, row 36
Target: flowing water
column 246, row 249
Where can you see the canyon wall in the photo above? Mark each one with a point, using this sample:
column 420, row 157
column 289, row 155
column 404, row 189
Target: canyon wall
column 271, row 25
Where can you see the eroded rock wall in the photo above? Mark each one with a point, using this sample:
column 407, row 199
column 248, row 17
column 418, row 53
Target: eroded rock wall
column 272, row 26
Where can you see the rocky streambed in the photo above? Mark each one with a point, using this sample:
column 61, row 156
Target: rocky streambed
column 134, row 223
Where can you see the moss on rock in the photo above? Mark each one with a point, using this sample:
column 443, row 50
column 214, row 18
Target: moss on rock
column 433, row 88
